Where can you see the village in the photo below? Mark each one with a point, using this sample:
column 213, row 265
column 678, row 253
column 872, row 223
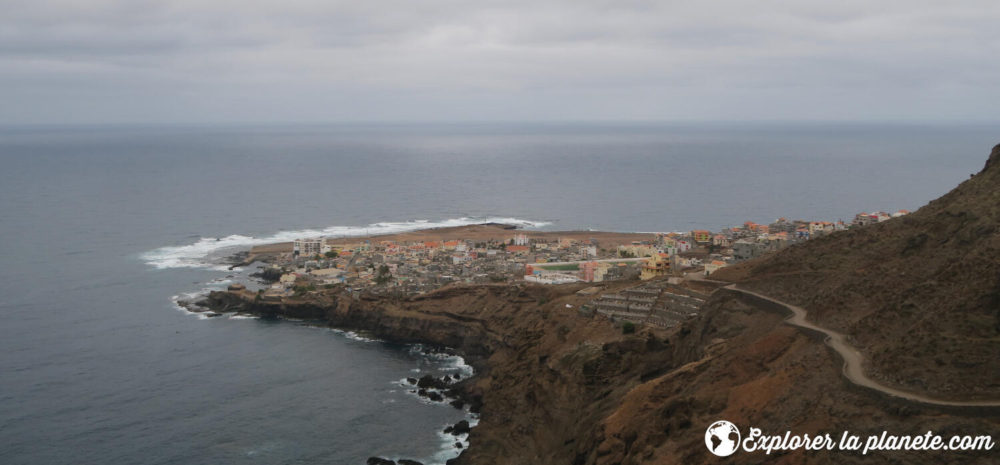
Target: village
column 381, row 266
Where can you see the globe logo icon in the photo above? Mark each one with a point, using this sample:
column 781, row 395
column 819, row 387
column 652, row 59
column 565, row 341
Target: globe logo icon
column 722, row 438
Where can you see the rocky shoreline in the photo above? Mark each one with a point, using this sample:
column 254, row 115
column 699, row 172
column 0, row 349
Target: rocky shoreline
column 451, row 319
column 450, row 389
column 555, row 385
column 446, row 389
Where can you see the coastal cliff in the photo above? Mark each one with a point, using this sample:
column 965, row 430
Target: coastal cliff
column 917, row 294
column 545, row 375
column 557, row 387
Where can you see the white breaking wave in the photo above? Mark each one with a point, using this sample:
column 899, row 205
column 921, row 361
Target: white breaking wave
column 453, row 363
column 448, row 450
column 189, row 296
column 356, row 337
column 201, row 253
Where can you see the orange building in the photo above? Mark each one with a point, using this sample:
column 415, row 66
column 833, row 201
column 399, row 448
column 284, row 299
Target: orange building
column 518, row 248
column 701, row 236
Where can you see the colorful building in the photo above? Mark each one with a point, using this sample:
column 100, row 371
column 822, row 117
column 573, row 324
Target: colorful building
column 657, row 265
column 701, row 236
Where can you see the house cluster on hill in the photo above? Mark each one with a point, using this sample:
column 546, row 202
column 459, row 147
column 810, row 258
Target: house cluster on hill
column 419, row 266
column 752, row 240
column 700, row 251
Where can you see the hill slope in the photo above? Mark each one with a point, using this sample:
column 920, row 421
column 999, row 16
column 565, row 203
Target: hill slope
column 919, row 295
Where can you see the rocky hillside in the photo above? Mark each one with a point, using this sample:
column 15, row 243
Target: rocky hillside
column 919, row 294
column 546, row 376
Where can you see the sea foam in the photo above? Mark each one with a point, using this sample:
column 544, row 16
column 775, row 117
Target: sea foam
column 205, row 252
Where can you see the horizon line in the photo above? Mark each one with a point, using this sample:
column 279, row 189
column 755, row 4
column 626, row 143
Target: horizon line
column 581, row 122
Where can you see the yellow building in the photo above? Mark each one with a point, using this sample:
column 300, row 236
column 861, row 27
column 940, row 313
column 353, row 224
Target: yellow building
column 637, row 250
column 657, row 265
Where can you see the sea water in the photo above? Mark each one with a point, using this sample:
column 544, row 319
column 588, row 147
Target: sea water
column 103, row 228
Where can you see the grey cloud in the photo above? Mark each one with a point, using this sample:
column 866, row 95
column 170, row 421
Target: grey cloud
column 156, row 61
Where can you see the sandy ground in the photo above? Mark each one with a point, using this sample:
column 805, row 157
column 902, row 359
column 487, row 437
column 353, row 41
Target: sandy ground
column 480, row 232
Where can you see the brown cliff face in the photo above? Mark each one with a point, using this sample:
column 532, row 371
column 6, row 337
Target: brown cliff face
column 546, row 375
column 560, row 388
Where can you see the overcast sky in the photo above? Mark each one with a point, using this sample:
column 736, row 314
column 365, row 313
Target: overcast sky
column 94, row 61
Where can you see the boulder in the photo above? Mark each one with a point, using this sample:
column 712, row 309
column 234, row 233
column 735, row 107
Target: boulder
column 461, row 427
column 268, row 275
column 379, row 461
column 476, row 404
column 428, row 381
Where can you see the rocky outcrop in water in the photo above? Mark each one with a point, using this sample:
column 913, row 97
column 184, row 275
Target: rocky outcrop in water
column 268, row 275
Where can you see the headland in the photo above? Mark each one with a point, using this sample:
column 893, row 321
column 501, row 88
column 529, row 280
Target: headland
column 570, row 373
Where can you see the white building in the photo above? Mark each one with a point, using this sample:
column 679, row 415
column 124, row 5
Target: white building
column 552, row 278
column 307, row 247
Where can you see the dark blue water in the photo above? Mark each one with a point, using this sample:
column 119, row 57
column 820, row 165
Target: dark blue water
column 101, row 227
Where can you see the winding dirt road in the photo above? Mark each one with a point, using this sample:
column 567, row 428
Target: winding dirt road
column 854, row 360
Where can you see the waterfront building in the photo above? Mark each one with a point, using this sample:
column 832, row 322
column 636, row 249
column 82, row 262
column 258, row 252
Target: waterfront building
column 307, row 247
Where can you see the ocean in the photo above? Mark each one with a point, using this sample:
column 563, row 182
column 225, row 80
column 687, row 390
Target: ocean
column 103, row 228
